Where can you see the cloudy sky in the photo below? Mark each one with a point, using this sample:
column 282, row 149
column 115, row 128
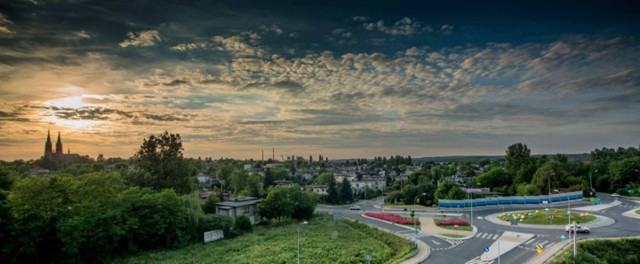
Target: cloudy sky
column 338, row 78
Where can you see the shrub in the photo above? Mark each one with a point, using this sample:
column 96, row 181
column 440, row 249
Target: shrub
column 394, row 218
column 243, row 223
column 453, row 221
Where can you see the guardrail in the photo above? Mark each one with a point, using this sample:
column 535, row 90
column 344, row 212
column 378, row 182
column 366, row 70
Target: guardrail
column 511, row 200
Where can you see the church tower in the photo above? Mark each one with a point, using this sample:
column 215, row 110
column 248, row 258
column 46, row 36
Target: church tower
column 59, row 151
column 48, row 148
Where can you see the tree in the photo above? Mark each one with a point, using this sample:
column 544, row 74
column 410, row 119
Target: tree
column 547, row 177
column 495, row 177
column 332, row 192
column 304, row 203
column 209, row 206
column 325, row 178
column 161, row 156
column 268, row 180
column 517, row 156
column 450, row 190
column 346, row 194
column 277, row 204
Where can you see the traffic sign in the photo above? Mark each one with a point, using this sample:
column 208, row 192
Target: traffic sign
column 568, row 211
column 563, row 237
column 486, row 249
column 539, row 251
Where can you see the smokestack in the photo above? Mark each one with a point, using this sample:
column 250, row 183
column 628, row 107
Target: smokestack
column 273, row 154
column 263, row 155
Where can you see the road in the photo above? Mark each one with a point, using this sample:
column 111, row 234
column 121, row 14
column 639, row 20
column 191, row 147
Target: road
column 451, row 251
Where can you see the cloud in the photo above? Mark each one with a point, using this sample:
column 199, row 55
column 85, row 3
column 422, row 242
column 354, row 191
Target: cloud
column 142, row 39
column 273, row 28
column 4, row 24
column 243, row 45
column 403, row 27
column 359, row 18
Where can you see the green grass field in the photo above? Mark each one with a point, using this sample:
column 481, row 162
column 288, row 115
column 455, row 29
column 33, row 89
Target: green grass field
column 540, row 217
column 321, row 241
column 638, row 212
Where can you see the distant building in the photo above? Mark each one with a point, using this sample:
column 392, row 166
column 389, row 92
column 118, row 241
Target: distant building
column 247, row 206
column 319, row 189
column 59, row 153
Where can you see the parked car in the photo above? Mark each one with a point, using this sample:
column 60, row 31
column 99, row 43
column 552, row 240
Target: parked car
column 579, row 229
column 355, row 207
column 615, row 195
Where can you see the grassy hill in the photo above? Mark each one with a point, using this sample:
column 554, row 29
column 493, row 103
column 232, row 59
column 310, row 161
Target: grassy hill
column 322, row 240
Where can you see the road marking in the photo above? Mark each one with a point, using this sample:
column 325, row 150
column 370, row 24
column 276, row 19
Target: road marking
column 484, row 235
column 435, row 242
column 479, row 234
column 495, row 237
column 529, row 242
column 551, row 244
column 477, row 260
column 542, row 244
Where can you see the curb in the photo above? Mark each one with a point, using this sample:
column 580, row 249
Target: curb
column 416, row 241
column 594, row 224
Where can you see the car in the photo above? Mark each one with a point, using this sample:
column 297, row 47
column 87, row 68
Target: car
column 355, row 207
column 615, row 195
column 579, row 229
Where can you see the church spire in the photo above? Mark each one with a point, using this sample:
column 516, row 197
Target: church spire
column 48, row 148
column 59, row 150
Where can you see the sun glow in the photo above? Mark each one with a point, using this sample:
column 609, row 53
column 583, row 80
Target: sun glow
column 72, row 103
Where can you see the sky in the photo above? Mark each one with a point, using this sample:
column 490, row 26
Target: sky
column 345, row 79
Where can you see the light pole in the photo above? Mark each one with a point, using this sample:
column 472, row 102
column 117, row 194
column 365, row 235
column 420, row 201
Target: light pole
column 303, row 223
column 415, row 226
column 549, row 186
column 591, row 183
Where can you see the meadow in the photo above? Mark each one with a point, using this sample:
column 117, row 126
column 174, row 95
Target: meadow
column 322, row 240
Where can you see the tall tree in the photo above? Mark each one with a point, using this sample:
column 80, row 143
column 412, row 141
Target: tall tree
column 517, row 156
column 345, row 195
column 161, row 156
column 449, row 190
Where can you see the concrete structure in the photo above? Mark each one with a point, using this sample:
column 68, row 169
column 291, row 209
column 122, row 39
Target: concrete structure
column 247, row 206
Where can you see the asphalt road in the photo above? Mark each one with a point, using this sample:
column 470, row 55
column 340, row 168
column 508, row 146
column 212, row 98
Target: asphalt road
column 453, row 251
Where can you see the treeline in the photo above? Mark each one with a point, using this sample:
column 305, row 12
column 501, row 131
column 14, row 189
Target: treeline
column 520, row 173
column 93, row 217
column 148, row 202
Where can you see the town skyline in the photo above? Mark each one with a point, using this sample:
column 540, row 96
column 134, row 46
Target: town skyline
column 422, row 79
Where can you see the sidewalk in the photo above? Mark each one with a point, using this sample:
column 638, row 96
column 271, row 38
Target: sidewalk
column 508, row 241
column 631, row 214
column 549, row 253
column 595, row 208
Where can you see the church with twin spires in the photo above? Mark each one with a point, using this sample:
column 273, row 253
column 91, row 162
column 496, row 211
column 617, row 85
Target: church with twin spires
column 48, row 147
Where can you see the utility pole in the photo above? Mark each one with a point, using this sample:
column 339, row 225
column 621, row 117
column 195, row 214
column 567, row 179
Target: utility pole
column 574, row 240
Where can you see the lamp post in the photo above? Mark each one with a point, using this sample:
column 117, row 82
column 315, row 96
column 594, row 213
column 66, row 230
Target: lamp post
column 303, row 223
column 415, row 226
column 549, row 186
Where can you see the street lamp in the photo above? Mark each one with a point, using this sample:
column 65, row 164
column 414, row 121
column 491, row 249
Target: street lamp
column 303, row 223
column 591, row 183
column 415, row 226
column 549, row 186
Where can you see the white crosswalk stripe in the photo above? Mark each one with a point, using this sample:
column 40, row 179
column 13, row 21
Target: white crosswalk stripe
column 479, row 234
column 542, row 244
column 495, row 237
column 529, row 242
column 477, row 260
column 484, row 235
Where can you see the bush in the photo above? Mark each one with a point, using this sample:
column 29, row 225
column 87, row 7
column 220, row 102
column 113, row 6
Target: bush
column 394, row 218
column 209, row 206
column 243, row 224
column 453, row 221
column 217, row 222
